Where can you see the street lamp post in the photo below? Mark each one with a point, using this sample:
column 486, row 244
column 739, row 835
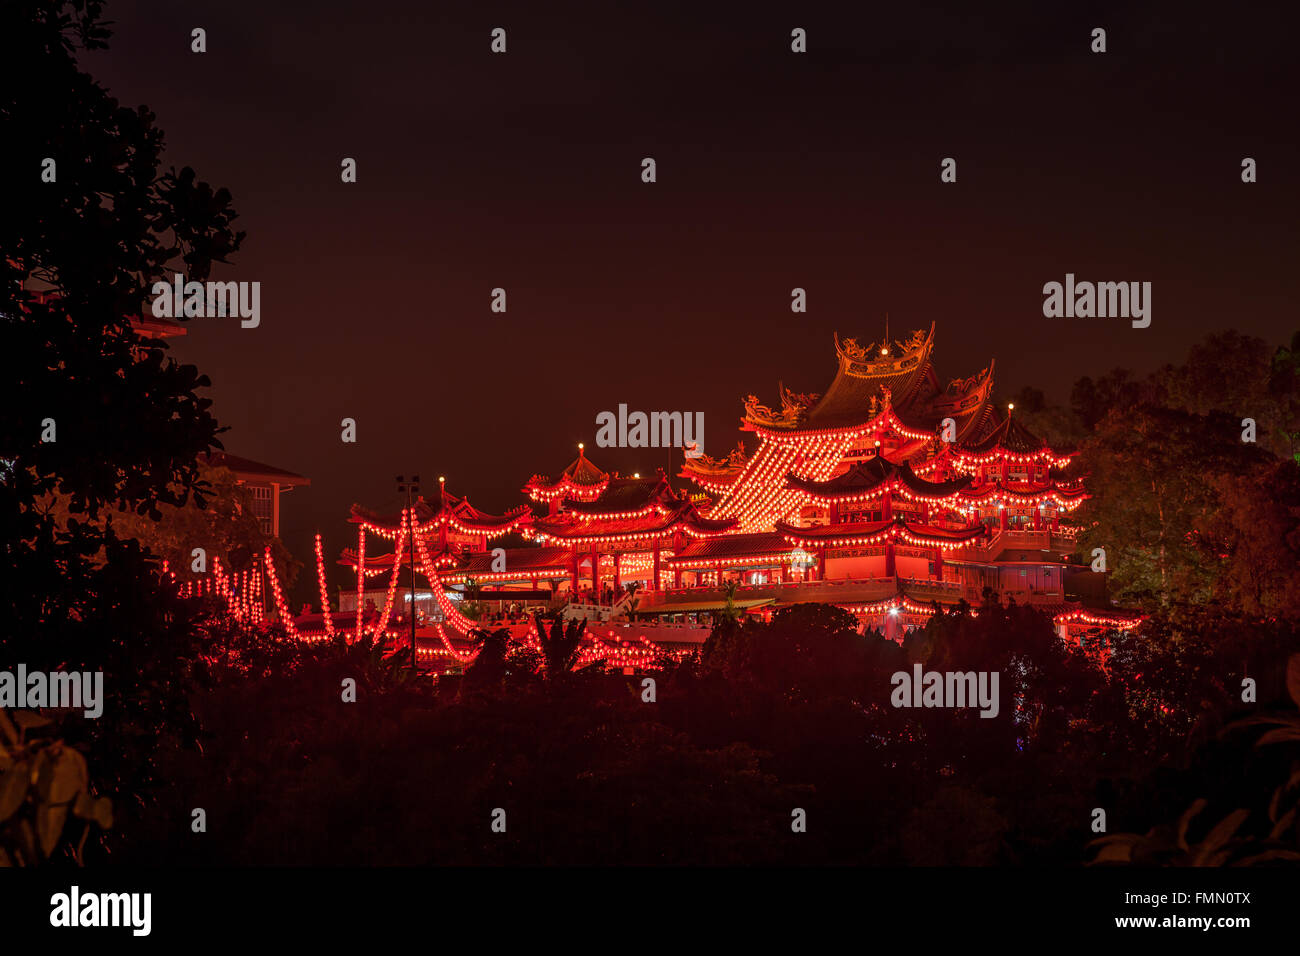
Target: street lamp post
column 410, row 488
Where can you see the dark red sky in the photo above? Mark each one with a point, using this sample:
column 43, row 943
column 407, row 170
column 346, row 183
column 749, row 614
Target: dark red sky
column 775, row 170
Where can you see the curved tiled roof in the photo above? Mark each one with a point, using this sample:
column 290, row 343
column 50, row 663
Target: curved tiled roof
column 862, row 377
column 864, row 476
column 622, row 495
column 1009, row 435
column 733, row 546
column 441, row 502
column 580, row 472
column 864, row 529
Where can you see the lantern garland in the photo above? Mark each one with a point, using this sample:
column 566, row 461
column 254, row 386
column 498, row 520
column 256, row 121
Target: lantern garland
column 361, row 578
column 324, row 591
column 280, row 608
column 382, row 626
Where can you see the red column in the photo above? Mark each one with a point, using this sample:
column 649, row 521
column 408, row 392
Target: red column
column 888, row 507
column 618, row 578
column 573, row 586
column 1002, row 518
column 938, row 563
column 1038, row 518
column 821, row 564
column 654, row 585
column 890, row 568
column 835, row 512
column 677, row 577
column 595, row 575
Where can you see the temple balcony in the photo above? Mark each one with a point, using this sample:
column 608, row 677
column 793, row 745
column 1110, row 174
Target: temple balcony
column 835, row 591
column 1045, row 539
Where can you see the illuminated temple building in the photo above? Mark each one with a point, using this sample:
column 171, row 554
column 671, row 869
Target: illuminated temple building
column 891, row 494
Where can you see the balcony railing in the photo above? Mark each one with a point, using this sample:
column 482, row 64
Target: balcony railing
column 1045, row 539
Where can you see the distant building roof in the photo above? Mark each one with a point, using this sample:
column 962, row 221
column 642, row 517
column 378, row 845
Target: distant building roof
column 149, row 327
column 248, row 470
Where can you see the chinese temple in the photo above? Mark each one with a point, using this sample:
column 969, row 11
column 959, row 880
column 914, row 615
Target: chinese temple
column 891, row 494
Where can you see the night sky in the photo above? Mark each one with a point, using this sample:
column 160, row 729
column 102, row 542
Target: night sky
column 775, row 170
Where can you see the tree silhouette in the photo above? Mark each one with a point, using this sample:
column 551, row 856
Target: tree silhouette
column 561, row 644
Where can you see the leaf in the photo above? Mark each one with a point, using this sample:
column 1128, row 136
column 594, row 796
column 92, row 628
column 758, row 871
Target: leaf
column 63, row 776
column 1279, row 736
column 1209, row 849
column 1185, row 820
column 49, row 825
column 84, row 806
column 104, row 812
column 1268, row 855
column 27, row 839
column 1117, row 849
column 1281, row 826
column 13, row 789
column 7, row 728
column 27, row 720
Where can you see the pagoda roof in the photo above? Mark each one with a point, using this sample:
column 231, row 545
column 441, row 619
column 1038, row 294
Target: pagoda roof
column 623, row 495
column 876, row 473
column 652, row 522
column 1072, row 472
column 1026, row 490
column 374, row 562
column 967, row 402
column 718, row 471
column 525, row 561
column 579, row 476
column 878, row 531
column 759, row 544
column 877, row 381
column 441, row 507
column 1008, row 435
column 863, row 373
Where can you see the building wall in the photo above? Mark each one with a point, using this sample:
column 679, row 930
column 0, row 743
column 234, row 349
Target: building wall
column 263, row 505
column 861, row 566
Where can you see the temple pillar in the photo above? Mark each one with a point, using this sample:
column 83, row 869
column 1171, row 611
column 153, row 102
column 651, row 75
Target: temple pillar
column 654, row 584
column 821, row 564
column 677, row 577
column 717, row 569
column 573, row 581
column 595, row 575
column 887, row 506
column 618, row 577
column 1003, row 522
column 835, row 512
column 1038, row 518
column 938, row 563
column 890, row 563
